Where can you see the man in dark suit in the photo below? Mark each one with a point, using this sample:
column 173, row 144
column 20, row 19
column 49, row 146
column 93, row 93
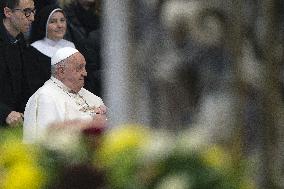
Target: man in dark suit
column 17, row 16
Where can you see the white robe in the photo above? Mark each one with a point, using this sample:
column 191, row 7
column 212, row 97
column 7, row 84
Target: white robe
column 53, row 103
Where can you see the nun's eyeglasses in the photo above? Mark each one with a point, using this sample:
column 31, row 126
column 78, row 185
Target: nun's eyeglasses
column 27, row 11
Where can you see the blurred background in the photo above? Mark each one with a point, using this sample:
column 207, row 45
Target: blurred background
column 165, row 60
column 212, row 65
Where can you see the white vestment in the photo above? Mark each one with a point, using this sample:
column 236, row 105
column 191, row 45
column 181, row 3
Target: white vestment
column 54, row 102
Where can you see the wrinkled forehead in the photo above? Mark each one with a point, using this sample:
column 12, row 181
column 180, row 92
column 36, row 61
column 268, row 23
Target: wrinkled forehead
column 23, row 4
column 77, row 59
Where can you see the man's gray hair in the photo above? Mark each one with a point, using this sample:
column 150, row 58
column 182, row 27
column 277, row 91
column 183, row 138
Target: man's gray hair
column 54, row 67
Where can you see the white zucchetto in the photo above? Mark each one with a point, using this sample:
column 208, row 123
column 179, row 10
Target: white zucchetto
column 62, row 54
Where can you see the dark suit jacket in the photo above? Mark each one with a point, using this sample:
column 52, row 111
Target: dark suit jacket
column 37, row 70
column 12, row 79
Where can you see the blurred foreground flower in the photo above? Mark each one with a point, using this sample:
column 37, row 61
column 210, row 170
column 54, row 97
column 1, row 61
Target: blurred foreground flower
column 19, row 167
column 121, row 140
column 125, row 157
column 66, row 139
column 119, row 153
column 217, row 158
column 136, row 157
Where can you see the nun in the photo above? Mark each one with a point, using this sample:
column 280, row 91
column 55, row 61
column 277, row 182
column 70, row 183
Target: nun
column 62, row 97
column 46, row 38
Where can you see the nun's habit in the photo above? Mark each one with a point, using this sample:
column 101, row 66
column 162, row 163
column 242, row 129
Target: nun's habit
column 39, row 54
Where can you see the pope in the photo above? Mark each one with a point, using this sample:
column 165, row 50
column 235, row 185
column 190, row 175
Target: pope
column 62, row 97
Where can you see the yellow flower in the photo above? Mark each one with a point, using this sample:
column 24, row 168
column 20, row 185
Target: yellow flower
column 120, row 139
column 247, row 184
column 23, row 176
column 14, row 151
column 216, row 157
column 18, row 165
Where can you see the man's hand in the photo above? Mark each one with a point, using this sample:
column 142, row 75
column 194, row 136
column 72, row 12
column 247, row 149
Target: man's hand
column 13, row 118
column 102, row 109
column 100, row 117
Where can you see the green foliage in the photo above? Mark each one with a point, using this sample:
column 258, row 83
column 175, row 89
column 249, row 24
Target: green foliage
column 144, row 165
column 127, row 157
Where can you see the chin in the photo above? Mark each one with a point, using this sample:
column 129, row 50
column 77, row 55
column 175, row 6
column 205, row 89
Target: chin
column 77, row 90
column 25, row 30
column 80, row 87
column 58, row 38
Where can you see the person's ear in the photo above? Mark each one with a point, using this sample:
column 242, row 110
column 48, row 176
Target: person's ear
column 8, row 12
column 60, row 71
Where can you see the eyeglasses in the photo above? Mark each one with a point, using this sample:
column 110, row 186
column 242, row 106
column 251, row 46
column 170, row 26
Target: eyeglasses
column 27, row 11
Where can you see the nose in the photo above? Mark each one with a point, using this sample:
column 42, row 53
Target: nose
column 84, row 73
column 60, row 24
column 31, row 17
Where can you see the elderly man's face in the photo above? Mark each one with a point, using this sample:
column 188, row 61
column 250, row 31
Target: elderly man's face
column 75, row 72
